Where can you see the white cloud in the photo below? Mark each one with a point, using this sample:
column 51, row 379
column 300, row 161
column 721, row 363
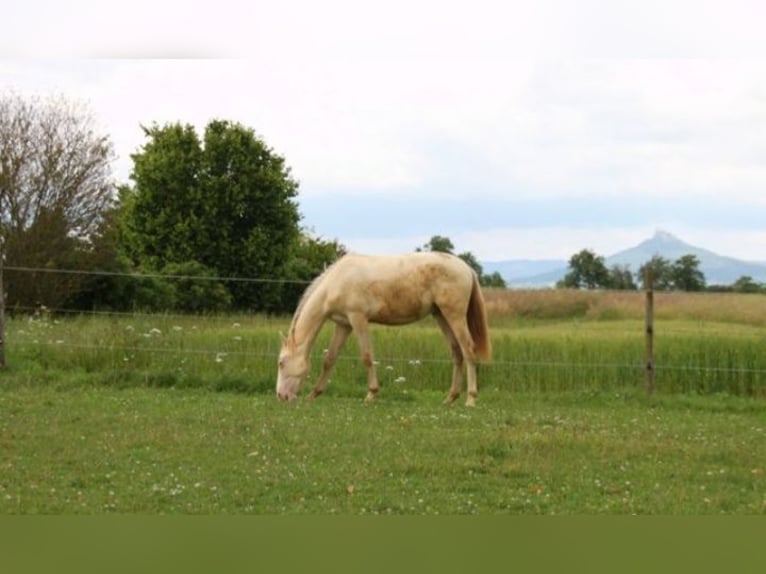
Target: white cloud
column 446, row 99
column 459, row 126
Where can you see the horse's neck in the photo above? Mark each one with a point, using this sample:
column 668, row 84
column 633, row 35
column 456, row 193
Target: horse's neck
column 309, row 321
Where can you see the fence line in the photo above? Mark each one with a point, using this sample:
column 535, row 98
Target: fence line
column 638, row 365
column 241, row 315
column 156, row 275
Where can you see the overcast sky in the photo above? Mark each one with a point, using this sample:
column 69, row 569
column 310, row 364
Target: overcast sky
column 517, row 131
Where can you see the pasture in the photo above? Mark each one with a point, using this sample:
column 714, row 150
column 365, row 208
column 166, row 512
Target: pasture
column 177, row 414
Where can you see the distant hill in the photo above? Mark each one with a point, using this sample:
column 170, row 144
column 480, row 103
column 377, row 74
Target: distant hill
column 718, row 269
column 521, row 269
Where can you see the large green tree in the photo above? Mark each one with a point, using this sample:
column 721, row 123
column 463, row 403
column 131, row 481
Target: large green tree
column 225, row 201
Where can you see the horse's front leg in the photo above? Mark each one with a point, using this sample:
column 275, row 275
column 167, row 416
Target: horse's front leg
column 362, row 329
column 328, row 361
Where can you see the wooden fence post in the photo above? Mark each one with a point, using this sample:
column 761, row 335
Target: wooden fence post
column 649, row 287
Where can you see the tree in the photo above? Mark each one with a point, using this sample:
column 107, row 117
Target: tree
column 114, row 289
column 164, row 213
column 494, row 279
column 746, row 284
column 193, row 288
column 683, row 274
column 687, row 275
column 586, row 270
column 662, row 273
column 55, row 185
column 226, row 201
column 438, row 243
column 621, row 278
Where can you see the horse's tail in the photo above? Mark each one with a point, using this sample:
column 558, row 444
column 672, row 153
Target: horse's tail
column 477, row 322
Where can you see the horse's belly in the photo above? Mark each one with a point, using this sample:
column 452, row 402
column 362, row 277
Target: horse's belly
column 399, row 312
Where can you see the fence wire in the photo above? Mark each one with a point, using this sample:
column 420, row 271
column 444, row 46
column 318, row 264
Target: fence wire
column 156, row 275
column 639, row 365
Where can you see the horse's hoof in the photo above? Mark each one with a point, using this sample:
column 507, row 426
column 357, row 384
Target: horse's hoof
column 470, row 402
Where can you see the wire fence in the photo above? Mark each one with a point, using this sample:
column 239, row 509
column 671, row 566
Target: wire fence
column 707, row 368
column 257, row 280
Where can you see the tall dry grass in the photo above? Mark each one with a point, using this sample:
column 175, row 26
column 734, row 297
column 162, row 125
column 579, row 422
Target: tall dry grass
column 508, row 305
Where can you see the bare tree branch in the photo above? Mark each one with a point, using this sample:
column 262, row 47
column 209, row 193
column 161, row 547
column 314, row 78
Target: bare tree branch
column 55, row 181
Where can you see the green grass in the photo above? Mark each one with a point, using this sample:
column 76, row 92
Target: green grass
column 239, row 354
column 156, row 451
column 166, row 414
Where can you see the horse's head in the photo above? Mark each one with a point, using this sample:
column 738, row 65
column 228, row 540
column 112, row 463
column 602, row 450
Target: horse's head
column 293, row 368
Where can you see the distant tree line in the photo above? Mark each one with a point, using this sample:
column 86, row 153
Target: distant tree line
column 587, row 270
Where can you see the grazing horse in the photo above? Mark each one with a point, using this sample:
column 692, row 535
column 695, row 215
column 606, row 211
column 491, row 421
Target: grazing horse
column 391, row 290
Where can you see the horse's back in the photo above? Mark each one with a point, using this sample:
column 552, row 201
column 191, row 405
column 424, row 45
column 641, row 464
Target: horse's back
column 426, row 267
column 399, row 289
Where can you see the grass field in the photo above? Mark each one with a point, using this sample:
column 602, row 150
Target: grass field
column 168, row 414
column 99, row 450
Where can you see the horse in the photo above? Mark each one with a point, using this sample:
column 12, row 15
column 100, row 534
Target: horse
column 359, row 289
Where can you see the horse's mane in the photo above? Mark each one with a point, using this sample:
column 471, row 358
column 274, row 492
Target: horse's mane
column 307, row 294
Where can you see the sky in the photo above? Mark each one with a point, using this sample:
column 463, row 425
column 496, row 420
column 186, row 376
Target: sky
column 519, row 130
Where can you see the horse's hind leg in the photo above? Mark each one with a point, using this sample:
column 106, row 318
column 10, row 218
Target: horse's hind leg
column 338, row 340
column 457, row 358
column 459, row 328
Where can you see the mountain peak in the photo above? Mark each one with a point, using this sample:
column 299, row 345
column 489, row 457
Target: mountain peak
column 665, row 237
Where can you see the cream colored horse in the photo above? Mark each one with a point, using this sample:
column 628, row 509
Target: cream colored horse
column 391, row 290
